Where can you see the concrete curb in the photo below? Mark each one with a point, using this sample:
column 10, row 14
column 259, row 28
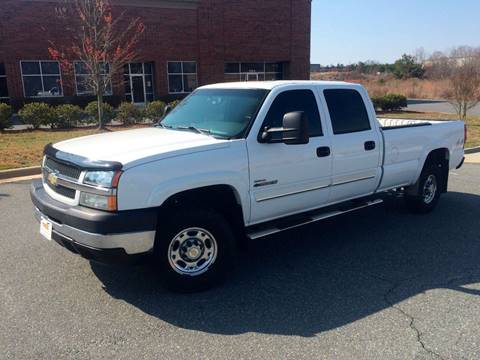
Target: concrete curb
column 15, row 173
column 472, row 150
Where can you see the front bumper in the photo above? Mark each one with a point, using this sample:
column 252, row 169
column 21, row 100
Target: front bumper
column 119, row 237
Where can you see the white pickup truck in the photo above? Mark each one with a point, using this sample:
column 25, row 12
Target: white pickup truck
column 236, row 161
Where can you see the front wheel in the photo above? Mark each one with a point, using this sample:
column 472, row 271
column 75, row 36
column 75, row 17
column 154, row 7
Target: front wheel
column 428, row 193
column 194, row 249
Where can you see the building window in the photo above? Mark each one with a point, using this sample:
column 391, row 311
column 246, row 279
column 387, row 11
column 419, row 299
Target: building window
column 41, row 78
column 3, row 82
column 182, row 76
column 138, row 80
column 82, row 74
column 253, row 71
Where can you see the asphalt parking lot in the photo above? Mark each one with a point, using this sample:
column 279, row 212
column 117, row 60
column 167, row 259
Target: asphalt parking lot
column 376, row 284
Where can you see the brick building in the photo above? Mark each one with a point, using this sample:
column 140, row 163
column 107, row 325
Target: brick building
column 187, row 43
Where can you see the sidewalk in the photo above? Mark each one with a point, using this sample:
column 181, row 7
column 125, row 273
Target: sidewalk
column 472, row 158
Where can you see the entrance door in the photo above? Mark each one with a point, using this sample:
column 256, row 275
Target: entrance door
column 252, row 77
column 138, row 89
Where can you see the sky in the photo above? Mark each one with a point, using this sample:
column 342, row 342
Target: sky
column 348, row 31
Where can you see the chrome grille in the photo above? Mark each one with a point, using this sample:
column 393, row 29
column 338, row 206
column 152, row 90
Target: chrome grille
column 59, row 189
column 63, row 169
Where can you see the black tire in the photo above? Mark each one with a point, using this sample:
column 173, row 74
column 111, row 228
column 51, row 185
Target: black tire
column 421, row 201
column 206, row 223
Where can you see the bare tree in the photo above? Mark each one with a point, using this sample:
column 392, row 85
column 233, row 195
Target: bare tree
column 464, row 92
column 102, row 42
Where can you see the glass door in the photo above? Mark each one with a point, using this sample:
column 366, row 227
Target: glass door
column 138, row 80
column 252, row 77
column 138, row 89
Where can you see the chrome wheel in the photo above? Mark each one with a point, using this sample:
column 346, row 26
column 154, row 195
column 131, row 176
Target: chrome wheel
column 192, row 251
column 429, row 189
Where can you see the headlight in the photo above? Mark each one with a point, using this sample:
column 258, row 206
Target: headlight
column 103, row 179
column 101, row 202
column 99, row 178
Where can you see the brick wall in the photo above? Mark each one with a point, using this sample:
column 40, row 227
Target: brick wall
column 211, row 33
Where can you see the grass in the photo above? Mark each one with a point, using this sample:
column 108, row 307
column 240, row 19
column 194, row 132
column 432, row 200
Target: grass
column 473, row 122
column 23, row 149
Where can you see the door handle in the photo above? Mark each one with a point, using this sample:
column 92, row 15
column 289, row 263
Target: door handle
column 370, row 145
column 323, row 151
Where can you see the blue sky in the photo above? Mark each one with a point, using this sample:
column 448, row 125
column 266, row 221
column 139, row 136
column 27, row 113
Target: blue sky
column 346, row 31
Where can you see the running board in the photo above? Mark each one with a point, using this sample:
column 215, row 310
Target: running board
column 270, row 228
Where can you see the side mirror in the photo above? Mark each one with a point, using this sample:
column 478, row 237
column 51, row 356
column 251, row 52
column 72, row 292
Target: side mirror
column 294, row 130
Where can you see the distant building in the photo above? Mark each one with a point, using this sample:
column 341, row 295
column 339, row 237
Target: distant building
column 187, row 43
column 315, row 67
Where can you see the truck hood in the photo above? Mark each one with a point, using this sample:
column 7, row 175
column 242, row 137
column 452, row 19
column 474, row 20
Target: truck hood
column 133, row 147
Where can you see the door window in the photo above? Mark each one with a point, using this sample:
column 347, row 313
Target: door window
column 347, row 111
column 294, row 100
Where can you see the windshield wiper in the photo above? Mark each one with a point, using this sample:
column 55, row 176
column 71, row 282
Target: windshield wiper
column 197, row 130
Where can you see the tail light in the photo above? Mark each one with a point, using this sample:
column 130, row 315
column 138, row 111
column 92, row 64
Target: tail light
column 465, row 135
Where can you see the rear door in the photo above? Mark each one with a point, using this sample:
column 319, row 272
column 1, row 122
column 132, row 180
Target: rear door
column 286, row 179
column 356, row 145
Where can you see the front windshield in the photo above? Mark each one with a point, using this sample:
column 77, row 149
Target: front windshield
column 224, row 113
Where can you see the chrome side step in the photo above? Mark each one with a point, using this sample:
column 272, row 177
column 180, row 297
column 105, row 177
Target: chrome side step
column 258, row 231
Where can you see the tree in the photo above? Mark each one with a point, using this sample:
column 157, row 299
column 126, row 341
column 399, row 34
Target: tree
column 103, row 41
column 407, row 67
column 464, row 92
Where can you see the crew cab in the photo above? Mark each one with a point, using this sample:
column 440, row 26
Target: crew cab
column 233, row 162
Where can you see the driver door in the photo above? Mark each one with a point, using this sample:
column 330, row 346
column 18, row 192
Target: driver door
column 287, row 179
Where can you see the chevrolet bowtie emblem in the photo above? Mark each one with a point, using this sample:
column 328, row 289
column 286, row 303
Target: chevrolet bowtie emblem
column 52, row 179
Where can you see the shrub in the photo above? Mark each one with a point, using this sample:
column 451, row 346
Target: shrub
column 5, row 113
column 92, row 111
column 173, row 104
column 155, row 110
column 389, row 102
column 128, row 113
column 37, row 114
column 68, row 115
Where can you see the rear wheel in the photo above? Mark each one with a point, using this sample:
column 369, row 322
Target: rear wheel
column 194, row 249
column 427, row 194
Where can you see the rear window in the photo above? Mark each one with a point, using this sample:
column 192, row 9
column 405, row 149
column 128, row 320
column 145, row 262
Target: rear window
column 347, row 111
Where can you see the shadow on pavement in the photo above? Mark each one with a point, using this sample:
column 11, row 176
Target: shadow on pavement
column 323, row 276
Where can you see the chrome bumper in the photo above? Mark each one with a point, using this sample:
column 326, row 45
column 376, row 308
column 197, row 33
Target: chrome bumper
column 133, row 243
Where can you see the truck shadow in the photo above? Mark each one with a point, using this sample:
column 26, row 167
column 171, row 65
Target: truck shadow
column 323, row 276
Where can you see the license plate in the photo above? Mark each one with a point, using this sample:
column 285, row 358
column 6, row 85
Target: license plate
column 46, row 229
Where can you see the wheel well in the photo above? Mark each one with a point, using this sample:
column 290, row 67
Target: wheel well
column 222, row 198
column 440, row 158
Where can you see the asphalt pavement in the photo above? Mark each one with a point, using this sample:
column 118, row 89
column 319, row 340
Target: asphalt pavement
column 376, row 284
column 442, row 106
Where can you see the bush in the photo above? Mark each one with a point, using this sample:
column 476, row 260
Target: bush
column 92, row 111
column 389, row 102
column 155, row 110
column 5, row 113
column 128, row 113
column 68, row 115
column 37, row 114
column 173, row 104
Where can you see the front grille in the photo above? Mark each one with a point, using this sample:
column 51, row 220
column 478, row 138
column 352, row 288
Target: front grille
column 63, row 169
column 62, row 190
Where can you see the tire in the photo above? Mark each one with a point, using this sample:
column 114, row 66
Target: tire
column 194, row 249
column 427, row 195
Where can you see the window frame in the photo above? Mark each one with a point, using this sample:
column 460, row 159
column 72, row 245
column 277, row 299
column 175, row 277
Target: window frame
column 143, row 74
column 75, row 74
column 329, row 113
column 182, row 74
column 41, row 78
column 241, row 73
column 276, row 95
column 5, row 77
